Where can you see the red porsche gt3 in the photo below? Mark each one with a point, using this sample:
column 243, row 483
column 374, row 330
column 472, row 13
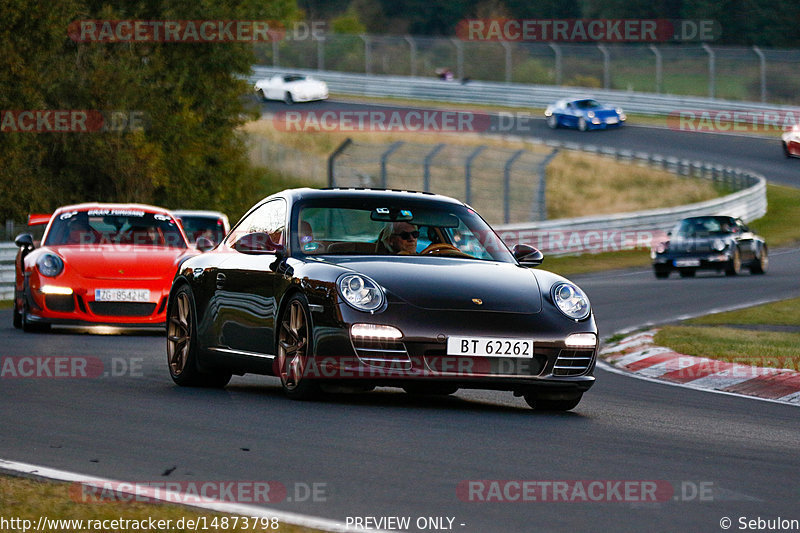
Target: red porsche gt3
column 99, row 264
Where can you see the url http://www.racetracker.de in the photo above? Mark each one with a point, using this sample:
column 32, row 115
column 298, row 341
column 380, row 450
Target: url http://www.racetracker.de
column 45, row 524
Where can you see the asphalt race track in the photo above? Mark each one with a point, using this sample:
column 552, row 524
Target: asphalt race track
column 386, row 454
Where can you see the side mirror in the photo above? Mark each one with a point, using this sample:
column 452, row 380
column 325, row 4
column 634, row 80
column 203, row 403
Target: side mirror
column 204, row 244
column 24, row 240
column 527, row 256
column 258, row 243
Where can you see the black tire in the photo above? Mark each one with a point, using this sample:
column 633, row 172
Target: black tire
column 287, row 98
column 786, row 150
column 760, row 265
column 17, row 316
column 735, row 264
column 32, row 327
column 582, row 124
column 430, row 389
column 687, row 272
column 294, row 349
column 552, row 122
column 552, row 405
column 662, row 274
column 182, row 345
column 262, row 96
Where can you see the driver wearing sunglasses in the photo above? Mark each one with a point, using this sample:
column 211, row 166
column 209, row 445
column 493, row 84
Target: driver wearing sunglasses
column 400, row 237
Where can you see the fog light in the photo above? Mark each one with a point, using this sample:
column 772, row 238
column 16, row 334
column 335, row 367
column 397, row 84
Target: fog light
column 54, row 289
column 375, row 331
column 581, row 340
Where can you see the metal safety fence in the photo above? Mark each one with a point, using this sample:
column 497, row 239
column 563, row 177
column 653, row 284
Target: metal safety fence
column 504, row 185
column 726, row 72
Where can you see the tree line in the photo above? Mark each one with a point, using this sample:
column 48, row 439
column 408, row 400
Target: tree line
column 150, row 122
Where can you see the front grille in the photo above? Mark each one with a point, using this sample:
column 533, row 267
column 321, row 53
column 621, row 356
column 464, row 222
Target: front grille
column 375, row 351
column 573, row 362
column 122, row 308
column 60, row 302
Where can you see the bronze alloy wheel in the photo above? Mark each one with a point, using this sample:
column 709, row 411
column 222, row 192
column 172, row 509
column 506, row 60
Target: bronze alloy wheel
column 761, row 265
column 735, row 265
column 179, row 334
column 182, row 345
column 294, row 343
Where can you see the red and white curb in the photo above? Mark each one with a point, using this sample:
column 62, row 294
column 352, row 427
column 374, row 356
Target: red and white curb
column 639, row 355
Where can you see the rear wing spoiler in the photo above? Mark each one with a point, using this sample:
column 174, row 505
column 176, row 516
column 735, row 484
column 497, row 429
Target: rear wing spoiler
column 39, row 219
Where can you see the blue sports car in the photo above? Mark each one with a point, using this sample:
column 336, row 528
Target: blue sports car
column 584, row 114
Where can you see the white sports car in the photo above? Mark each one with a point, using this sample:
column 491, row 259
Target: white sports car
column 292, row 88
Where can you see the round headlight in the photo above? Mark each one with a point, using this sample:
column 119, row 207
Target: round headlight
column 571, row 301
column 360, row 292
column 50, row 265
column 719, row 245
column 590, row 114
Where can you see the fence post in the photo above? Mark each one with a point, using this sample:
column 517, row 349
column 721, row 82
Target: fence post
column 459, row 57
column 763, row 64
column 557, row 52
column 332, row 161
column 539, row 211
column 412, row 46
column 659, row 67
column 385, row 158
column 606, row 65
column 426, row 184
column 321, row 53
column 712, row 70
column 507, row 185
column 367, row 54
column 468, row 172
column 507, row 47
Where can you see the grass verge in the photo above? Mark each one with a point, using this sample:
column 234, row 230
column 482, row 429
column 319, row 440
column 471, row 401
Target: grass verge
column 741, row 336
column 30, row 499
column 778, row 227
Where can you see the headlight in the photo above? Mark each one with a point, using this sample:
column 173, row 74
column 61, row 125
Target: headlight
column 571, row 301
column 590, row 114
column 360, row 292
column 719, row 245
column 50, row 265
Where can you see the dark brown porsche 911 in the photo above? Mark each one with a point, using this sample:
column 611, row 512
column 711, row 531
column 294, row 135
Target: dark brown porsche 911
column 362, row 288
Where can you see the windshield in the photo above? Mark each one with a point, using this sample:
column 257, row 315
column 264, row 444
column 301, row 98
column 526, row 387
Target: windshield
column 692, row 227
column 380, row 227
column 196, row 226
column 114, row 226
column 587, row 104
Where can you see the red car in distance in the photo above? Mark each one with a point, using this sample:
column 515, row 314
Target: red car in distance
column 791, row 142
column 98, row 264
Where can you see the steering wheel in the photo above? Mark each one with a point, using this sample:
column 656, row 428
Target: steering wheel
column 443, row 248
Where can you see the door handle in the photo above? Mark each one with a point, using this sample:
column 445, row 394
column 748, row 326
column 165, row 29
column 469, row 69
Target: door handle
column 221, row 278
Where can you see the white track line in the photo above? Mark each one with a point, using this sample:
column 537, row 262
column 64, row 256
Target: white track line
column 241, row 509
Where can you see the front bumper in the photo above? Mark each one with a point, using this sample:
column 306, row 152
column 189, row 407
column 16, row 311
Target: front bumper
column 80, row 307
column 696, row 261
column 421, row 355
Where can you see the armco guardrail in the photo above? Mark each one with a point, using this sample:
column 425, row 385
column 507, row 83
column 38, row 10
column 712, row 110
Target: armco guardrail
column 749, row 202
column 513, row 94
column 8, row 252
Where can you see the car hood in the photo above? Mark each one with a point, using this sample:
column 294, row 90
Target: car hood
column 109, row 261
column 439, row 283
